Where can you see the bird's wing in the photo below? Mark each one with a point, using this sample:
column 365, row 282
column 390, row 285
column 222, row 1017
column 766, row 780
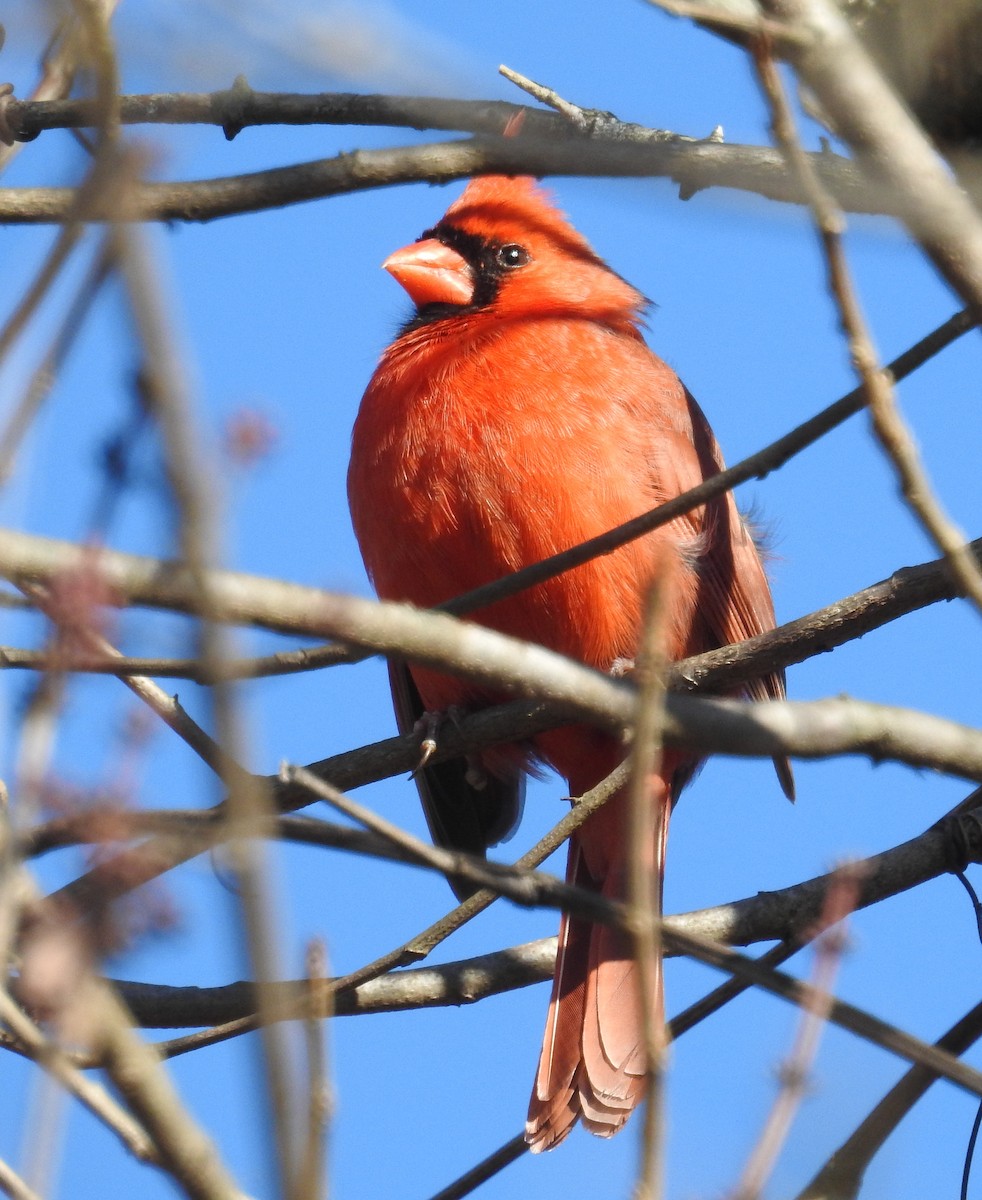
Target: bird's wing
column 465, row 809
column 734, row 596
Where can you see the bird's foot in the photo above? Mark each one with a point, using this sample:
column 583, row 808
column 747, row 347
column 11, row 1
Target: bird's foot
column 427, row 728
column 621, row 667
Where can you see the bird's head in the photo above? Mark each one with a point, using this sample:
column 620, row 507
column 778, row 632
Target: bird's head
column 505, row 249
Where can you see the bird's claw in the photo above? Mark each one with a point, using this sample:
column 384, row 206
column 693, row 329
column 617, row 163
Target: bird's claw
column 427, row 749
column 426, row 727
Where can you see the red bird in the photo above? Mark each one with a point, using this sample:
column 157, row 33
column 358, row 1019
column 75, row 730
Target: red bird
column 518, row 413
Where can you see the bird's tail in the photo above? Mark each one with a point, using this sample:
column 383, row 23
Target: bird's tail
column 593, row 1061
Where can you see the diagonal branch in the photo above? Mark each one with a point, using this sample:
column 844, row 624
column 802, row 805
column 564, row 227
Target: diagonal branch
column 887, row 141
column 785, row 914
column 290, row 608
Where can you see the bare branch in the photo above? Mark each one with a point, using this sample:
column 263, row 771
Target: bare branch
column 906, row 591
column 789, row 914
column 484, row 1170
column 841, row 1176
column 13, row 1186
column 87, row 1091
column 847, row 1016
column 248, row 804
column 138, row 1073
column 888, row 426
column 550, row 144
column 291, row 608
column 887, row 141
column 805, row 730
column 649, row 805
column 793, row 1076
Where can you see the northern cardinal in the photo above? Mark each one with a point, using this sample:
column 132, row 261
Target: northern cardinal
column 517, row 413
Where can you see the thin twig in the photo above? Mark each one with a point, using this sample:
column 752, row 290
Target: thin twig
column 87, row 1091
column 648, row 809
column 841, row 1176
column 418, row 947
column 840, row 901
column 846, row 1016
column 484, row 1170
column 248, row 805
column 755, row 972
column 311, row 1177
column 576, row 116
column 12, row 1185
column 166, row 707
column 515, row 883
column 791, row 914
column 513, row 1149
column 810, row 730
column 46, row 373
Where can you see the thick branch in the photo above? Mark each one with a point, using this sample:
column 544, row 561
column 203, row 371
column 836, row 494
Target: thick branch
column 813, row 730
column 905, row 591
column 694, row 166
column 239, row 107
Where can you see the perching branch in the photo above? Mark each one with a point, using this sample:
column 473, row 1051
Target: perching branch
column 548, row 145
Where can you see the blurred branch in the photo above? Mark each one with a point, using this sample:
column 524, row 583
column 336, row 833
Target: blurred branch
column 193, row 491
column 31, row 1041
column 136, row 1070
column 888, row 143
column 43, row 378
column 160, row 1131
column 12, row 1185
column 906, row 590
column 166, row 707
column 649, row 802
column 59, row 66
column 793, row 1073
column 841, row 1177
column 311, row 1181
column 888, row 426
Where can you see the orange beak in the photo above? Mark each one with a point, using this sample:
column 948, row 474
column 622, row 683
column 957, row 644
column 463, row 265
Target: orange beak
column 432, row 273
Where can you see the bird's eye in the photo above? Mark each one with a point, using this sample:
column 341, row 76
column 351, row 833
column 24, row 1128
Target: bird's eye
column 512, row 256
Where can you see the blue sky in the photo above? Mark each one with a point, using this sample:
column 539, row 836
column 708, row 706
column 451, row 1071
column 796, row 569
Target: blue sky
column 285, row 313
